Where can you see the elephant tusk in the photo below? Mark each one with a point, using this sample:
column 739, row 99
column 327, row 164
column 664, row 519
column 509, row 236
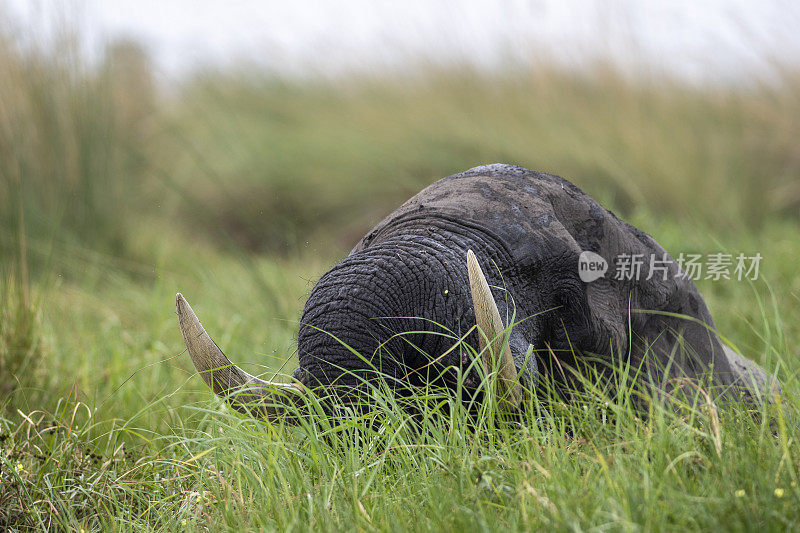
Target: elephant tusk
column 492, row 333
column 244, row 392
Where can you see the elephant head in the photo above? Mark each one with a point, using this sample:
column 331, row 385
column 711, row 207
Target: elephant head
column 249, row 394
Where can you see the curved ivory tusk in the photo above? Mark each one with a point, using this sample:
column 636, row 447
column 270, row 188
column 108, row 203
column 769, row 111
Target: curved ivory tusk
column 245, row 393
column 498, row 356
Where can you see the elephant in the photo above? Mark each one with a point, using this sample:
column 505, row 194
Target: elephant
column 476, row 283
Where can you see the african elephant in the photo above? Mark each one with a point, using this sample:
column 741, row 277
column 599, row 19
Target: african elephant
column 484, row 247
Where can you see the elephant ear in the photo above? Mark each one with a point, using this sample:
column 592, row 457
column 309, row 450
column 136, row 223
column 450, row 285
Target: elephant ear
column 495, row 350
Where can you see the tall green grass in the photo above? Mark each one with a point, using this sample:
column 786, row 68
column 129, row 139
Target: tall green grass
column 595, row 461
column 70, row 144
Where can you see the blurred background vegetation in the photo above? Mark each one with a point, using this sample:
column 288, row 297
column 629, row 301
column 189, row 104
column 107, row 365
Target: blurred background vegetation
column 265, row 164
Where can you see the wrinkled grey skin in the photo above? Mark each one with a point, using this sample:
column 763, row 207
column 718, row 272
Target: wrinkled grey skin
column 527, row 230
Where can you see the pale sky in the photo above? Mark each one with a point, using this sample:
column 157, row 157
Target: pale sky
column 700, row 40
